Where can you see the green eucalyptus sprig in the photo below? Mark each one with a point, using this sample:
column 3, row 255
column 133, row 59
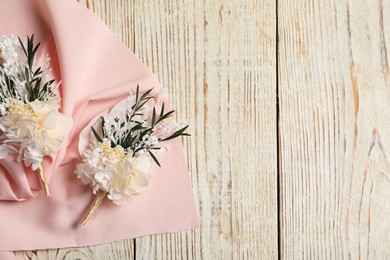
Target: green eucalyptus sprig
column 23, row 80
column 138, row 129
column 36, row 85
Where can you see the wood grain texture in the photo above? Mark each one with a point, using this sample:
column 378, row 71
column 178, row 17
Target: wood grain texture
column 217, row 61
column 118, row 250
column 334, row 129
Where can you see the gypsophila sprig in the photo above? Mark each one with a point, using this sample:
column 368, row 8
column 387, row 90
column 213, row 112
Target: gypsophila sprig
column 124, row 144
column 30, row 122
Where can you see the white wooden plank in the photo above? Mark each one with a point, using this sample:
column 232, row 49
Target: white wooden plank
column 334, row 121
column 118, row 250
column 217, row 61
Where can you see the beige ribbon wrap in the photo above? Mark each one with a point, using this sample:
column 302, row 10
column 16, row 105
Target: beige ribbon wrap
column 93, row 207
column 42, row 179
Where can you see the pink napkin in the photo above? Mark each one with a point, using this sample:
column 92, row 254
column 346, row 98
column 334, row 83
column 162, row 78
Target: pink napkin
column 97, row 71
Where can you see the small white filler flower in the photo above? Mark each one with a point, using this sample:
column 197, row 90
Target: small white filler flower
column 30, row 122
column 120, row 147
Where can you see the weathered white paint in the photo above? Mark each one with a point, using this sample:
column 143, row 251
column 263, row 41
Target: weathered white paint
column 334, row 129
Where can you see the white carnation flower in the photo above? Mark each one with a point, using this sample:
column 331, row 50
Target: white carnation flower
column 130, row 178
column 111, row 170
column 36, row 127
column 33, row 155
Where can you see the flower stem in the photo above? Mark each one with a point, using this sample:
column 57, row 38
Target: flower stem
column 93, row 207
column 43, row 181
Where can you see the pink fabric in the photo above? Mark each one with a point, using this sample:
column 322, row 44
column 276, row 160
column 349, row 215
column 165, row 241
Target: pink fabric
column 97, row 71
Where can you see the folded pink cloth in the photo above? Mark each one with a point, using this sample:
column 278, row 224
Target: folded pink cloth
column 97, row 71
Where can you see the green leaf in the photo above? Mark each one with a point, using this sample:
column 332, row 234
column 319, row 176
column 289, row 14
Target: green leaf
column 154, row 158
column 36, row 89
column 137, row 150
column 31, row 56
column 168, row 114
column 177, row 134
column 30, row 44
column 138, row 127
column 162, row 110
column 142, row 104
column 50, row 82
column 35, row 49
column 153, row 116
column 23, row 48
column 146, row 94
column 26, row 74
column 161, row 118
column 128, row 141
column 29, row 50
column 38, row 72
column 136, row 94
column 96, row 134
column 103, row 122
column 136, row 98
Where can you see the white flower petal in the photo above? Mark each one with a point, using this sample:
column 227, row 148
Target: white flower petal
column 5, row 150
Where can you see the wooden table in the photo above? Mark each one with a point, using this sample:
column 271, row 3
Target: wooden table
column 289, row 107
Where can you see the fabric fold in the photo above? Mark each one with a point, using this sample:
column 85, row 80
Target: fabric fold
column 96, row 71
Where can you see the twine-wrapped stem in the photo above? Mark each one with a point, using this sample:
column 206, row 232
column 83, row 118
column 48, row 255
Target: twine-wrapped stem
column 43, row 181
column 93, row 207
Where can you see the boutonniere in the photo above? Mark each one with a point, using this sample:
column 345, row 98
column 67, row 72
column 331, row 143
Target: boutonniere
column 123, row 146
column 30, row 122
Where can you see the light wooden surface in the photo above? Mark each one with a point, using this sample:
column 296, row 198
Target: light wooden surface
column 307, row 177
column 217, row 59
column 334, row 129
